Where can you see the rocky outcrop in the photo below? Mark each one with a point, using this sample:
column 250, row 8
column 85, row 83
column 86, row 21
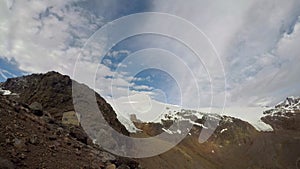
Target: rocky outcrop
column 54, row 92
column 31, row 141
column 34, row 135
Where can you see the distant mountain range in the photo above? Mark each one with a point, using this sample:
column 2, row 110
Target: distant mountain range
column 149, row 110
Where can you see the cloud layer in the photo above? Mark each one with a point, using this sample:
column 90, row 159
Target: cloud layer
column 257, row 42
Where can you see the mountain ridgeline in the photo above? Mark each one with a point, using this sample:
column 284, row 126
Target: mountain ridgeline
column 39, row 129
column 35, row 131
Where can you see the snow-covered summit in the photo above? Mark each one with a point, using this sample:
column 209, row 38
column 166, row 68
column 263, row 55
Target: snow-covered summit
column 285, row 115
column 285, row 108
column 148, row 110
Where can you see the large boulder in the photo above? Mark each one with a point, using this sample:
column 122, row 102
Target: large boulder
column 36, row 108
column 70, row 118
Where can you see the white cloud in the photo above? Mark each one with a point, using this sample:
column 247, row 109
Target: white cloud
column 257, row 41
column 276, row 80
column 46, row 35
column 142, row 87
column 115, row 54
column 49, row 35
column 249, row 36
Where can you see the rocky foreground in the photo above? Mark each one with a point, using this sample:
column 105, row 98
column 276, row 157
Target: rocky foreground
column 34, row 131
column 39, row 129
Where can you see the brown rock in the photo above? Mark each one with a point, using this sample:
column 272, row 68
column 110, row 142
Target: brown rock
column 22, row 156
column 18, row 143
column 123, row 166
column 36, row 108
column 107, row 157
column 111, row 166
column 33, row 140
column 6, row 164
column 79, row 134
column 52, row 137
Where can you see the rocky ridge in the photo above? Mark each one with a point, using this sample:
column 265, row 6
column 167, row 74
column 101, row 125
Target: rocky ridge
column 33, row 134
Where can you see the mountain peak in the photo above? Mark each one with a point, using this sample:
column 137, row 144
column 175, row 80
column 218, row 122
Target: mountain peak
column 285, row 115
column 54, row 92
column 40, row 129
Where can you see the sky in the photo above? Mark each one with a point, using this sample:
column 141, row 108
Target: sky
column 249, row 54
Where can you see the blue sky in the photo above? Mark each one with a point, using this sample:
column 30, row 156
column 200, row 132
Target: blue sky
column 159, row 80
column 9, row 69
column 106, row 10
column 257, row 42
column 114, row 9
column 153, row 78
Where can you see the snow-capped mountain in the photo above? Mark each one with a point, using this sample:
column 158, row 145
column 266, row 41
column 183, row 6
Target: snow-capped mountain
column 286, row 108
column 146, row 109
column 285, row 115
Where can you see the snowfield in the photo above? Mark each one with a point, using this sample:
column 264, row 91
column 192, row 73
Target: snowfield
column 149, row 110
